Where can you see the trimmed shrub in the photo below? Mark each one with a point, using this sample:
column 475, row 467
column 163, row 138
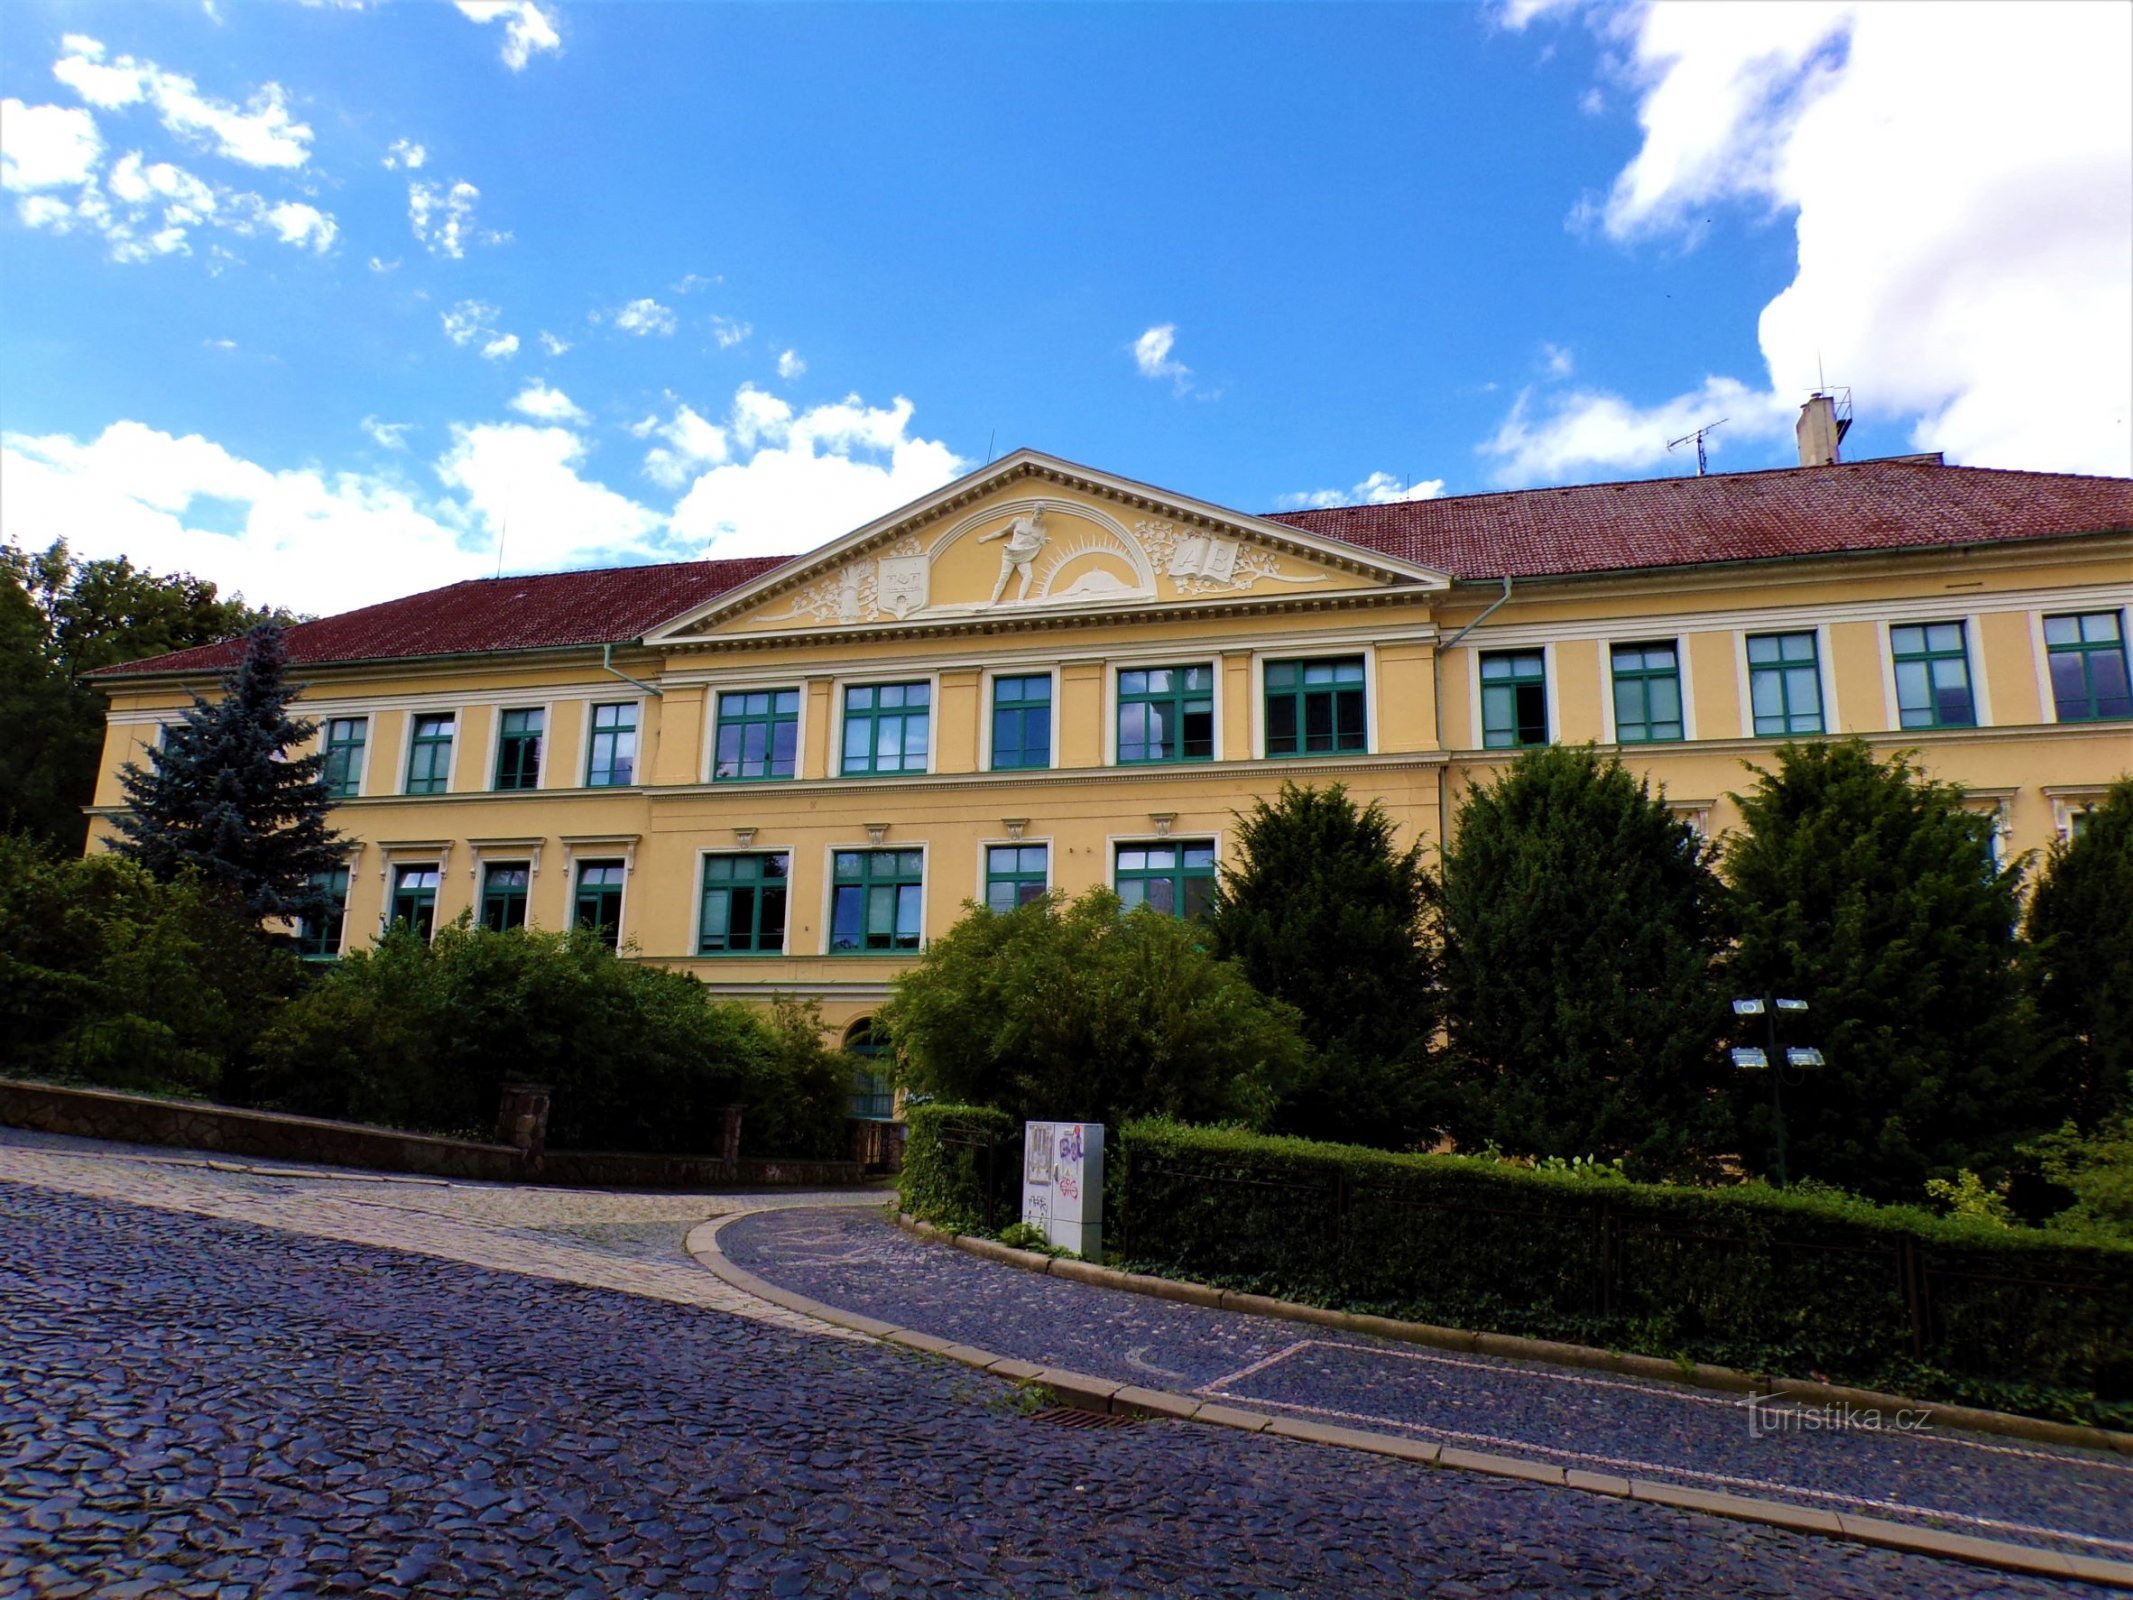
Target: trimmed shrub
column 962, row 1167
column 1749, row 1277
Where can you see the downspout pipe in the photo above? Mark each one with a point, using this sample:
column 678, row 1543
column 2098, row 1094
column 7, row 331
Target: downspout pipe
column 1436, row 670
column 607, row 661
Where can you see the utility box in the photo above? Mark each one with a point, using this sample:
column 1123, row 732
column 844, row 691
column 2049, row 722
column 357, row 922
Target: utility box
column 1063, row 1184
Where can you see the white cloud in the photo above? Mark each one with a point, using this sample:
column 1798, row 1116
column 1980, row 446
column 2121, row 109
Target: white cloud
column 1555, row 360
column 145, row 210
column 693, row 281
column 380, row 264
column 525, row 480
column 501, row 347
column 553, row 345
column 1151, row 353
column 808, row 476
column 1379, row 489
column 691, row 445
column 46, row 147
column 1962, row 220
column 790, row 365
column 472, row 320
column 1591, row 432
column 528, row 29
column 729, row 333
column 544, row 404
column 405, row 153
column 300, row 224
column 260, row 134
column 391, row 435
column 643, row 317
column 442, row 217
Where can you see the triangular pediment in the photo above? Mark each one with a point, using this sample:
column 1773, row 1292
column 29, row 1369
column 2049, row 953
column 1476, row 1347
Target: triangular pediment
column 1030, row 536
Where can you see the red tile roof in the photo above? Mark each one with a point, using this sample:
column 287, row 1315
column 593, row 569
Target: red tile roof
column 1899, row 504
column 483, row 615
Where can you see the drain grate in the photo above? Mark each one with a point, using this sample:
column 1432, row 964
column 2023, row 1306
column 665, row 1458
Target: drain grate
column 1075, row 1417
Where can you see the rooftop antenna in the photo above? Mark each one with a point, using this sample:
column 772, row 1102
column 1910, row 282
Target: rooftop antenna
column 1708, row 427
column 502, row 528
column 994, row 434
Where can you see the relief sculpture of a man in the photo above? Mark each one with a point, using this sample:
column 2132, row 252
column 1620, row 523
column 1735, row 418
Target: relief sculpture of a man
column 1025, row 536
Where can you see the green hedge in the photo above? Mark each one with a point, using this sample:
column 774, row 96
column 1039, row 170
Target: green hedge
column 962, row 1167
column 1748, row 1277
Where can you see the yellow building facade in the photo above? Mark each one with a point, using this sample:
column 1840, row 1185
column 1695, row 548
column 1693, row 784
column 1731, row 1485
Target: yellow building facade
column 785, row 778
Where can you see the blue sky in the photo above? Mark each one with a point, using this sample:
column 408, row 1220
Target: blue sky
column 319, row 300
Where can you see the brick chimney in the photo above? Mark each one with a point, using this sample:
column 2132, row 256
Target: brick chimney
column 1821, row 429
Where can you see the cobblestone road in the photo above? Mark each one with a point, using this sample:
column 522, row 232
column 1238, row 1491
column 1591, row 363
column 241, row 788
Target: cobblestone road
column 198, row 1403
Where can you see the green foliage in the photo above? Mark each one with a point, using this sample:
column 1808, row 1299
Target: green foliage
column 1323, row 911
column 1867, row 890
column 422, row 1035
column 798, row 1108
column 1751, row 1277
column 2080, row 962
column 2097, row 1169
column 1582, row 922
column 1965, row 1195
column 112, row 978
column 1076, row 1013
column 61, row 618
column 962, row 1166
column 226, row 801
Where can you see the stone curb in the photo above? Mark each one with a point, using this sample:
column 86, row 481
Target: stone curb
column 1104, row 1394
column 1966, row 1419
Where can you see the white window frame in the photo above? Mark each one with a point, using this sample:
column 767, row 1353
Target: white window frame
column 985, row 845
column 985, row 683
column 829, row 891
column 875, row 680
column 1612, row 734
column 584, row 772
column 407, row 750
column 1550, row 687
column 696, row 915
column 1142, row 661
column 1261, row 655
column 1973, row 667
column 1825, row 681
column 707, row 768
column 1176, row 835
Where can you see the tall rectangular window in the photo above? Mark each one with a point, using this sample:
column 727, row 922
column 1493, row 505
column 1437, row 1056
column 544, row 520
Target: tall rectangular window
column 1932, row 676
column 1166, row 714
column 875, row 900
column 598, row 902
column 1785, row 683
column 743, row 905
column 345, row 739
column 888, row 727
column 1015, row 874
column 758, row 735
column 2087, row 653
column 1514, row 699
column 1176, row 877
column 612, row 760
column 1316, row 708
column 429, row 755
column 415, row 898
column 518, row 749
column 505, row 886
column 319, row 938
column 1021, row 722
column 1647, row 685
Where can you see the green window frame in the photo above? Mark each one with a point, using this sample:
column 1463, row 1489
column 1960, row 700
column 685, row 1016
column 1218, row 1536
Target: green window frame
column 1016, row 874
column 1316, row 708
column 319, row 938
column 742, row 910
column 1173, row 876
column 873, row 1095
column 1166, row 714
column 1514, row 699
column 518, row 748
column 415, row 897
column 888, row 729
column 1932, row 664
column 346, row 738
column 429, row 754
column 506, row 886
column 1647, row 691
column 1785, row 683
column 876, row 901
column 596, row 901
column 758, row 735
column 1022, row 722
column 2086, row 654
column 611, row 754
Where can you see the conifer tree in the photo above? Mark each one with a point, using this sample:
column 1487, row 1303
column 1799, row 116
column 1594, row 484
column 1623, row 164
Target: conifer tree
column 1582, row 924
column 1324, row 911
column 1866, row 889
column 2080, row 965
column 225, row 800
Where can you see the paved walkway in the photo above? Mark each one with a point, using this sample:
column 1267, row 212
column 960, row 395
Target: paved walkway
column 2077, row 1501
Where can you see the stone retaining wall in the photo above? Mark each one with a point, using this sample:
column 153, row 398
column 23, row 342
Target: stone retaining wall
column 274, row 1136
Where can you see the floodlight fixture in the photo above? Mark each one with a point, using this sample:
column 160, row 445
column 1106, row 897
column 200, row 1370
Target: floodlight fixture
column 1792, row 1005
column 1749, row 1057
column 1747, row 1008
column 1803, row 1056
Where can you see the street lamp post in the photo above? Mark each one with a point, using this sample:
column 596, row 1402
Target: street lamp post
column 1765, row 1058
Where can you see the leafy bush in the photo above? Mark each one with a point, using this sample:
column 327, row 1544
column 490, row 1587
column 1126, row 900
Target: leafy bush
column 1076, row 1013
column 422, row 1035
column 2097, row 1170
column 1751, row 1277
column 2080, row 962
column 962, row 1166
